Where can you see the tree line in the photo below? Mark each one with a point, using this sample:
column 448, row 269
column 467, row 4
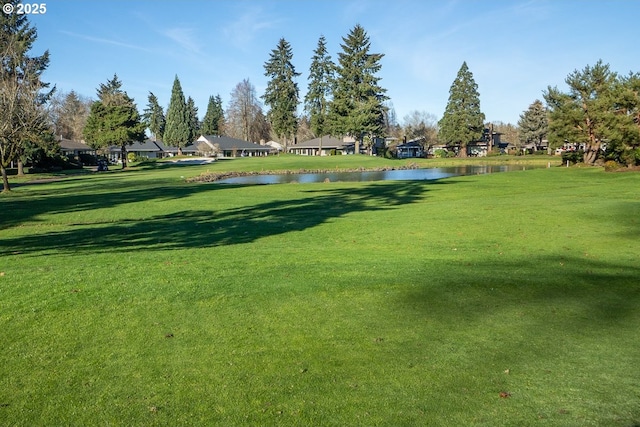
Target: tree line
column 599, row 114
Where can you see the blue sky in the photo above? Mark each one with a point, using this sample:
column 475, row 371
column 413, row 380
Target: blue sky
column 515, row 49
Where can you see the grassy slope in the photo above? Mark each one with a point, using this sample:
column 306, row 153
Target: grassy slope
column 136, row 299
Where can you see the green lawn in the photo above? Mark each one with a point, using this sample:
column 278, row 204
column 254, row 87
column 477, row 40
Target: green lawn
column 135, row 298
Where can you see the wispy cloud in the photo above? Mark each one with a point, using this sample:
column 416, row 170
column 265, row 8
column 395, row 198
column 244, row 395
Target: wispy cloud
column 247, row 26
column 185, row 37
column 105, row 41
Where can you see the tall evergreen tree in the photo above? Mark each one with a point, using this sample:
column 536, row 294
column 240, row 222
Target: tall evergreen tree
column 586, row 114
column 357, row 108
column 320, row 89
column 176, row 130
column 624, row 142
column 22, row 92
column 213, row 117
column 282, row 92
column 462, row 121
column 533, row 125
column 194, row 123
column 219, row 115
column 154, row 117
column 114, row 119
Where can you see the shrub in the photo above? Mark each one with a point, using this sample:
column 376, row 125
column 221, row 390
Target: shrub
column 88, row 159
column 440, row 153
column 611, row 165
column 573, row 157
column 134, row 158
column 630, row 157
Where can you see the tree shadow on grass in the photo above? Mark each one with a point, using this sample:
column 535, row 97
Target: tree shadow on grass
column 207, row 228
column 99, row 192
column 609, row 291
column 539, row 326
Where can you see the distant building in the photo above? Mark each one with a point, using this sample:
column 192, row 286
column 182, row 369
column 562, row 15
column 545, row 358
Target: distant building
column 224, row 146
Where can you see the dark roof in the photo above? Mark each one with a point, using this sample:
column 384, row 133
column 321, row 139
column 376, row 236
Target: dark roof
column 408, row 144
column 191, row 148
column 226, row 143
column 328, row 142
column 147, row 145
column 69, row 144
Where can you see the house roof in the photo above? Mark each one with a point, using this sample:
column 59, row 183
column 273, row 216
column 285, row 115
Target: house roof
column 69, row 144
column 328, row 142
column 412, row 143
column 226, row 143
column 147, row 145
column 191, row 148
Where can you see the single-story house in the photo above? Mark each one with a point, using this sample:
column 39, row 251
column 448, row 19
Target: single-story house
column 71, row 148
column 322, row 146
column 224, row 146
column 170, row 151
column 275, row 145
column 147, row 149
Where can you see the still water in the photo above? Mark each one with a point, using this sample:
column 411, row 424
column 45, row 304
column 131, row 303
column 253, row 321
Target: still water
column 389, row 175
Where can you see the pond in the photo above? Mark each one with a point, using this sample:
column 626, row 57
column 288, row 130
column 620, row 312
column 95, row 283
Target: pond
column 386, row 175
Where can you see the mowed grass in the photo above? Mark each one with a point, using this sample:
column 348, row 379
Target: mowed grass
column 135, row 298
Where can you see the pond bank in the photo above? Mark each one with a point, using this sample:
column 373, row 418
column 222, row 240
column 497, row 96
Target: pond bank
column 218, row 176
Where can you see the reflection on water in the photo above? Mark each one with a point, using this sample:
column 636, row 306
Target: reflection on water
column 389, row 175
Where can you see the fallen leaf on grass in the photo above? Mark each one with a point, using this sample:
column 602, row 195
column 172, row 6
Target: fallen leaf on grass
column 505, row 394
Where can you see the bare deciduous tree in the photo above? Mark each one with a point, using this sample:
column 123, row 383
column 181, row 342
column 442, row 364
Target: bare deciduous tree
column 245, row 119
column 68, row 113
column 23, row 117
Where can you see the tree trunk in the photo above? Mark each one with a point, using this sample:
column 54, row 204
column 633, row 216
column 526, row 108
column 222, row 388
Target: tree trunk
column 590, row 156
column 463, row 151
column 5, row 180
column 20, row 168
column 123, row 154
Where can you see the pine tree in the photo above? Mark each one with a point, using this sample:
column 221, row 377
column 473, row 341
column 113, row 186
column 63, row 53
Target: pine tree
column 114, row 119
column 586, row 114
column 533, row 125
column 320, row 89
column 357, row 108
column 23, row 94
column 623, row 146
column 213, row 117
column 194, row 123
column 219, row 116
column 154, row 117
column 282, row 92
column 462, row 121
column 176, row 131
